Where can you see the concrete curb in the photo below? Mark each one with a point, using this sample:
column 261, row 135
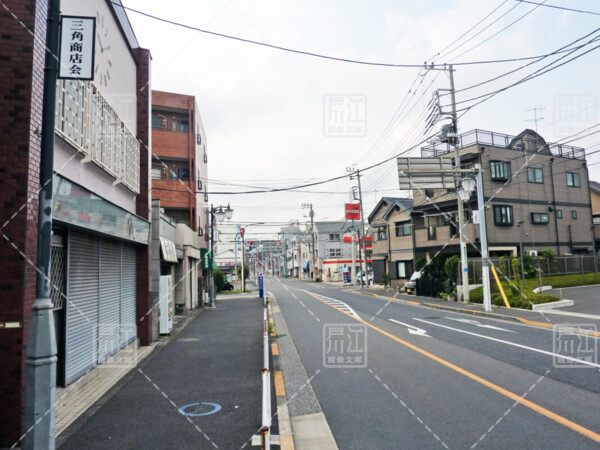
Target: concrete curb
column 306, row 431
column 553, row 305
column 286, row 440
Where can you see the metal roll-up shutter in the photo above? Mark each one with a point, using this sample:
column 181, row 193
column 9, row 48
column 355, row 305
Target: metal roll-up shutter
column 109, row 314
column 128, row 294
column 82, row 305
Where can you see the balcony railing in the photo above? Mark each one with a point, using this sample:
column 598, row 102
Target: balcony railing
column 86, row 121
column 482, row 137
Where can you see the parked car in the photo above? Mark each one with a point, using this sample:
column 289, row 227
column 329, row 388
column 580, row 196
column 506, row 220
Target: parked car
column 228, row 286
column 410, row 286
column 361, row 278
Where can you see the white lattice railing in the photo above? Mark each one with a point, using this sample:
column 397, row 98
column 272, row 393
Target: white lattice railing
column 86, row 120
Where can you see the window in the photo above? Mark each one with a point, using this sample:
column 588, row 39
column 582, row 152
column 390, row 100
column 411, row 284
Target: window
column 503, row 215
column 402, row 228
column 382, row 234
column 157, row 171
column 401, row 265
column 431, row 232
column 199, row 139
column 540, row 218
column 171, row 171
column 559, row 213
column 500, row 170
column 158, row 122
column 180, row 125
column 535, row 175
column 574, row 215
column 334, row 237
column 573, row 179
column 335, row 252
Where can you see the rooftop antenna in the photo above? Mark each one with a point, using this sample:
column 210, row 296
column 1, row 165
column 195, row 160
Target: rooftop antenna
column 537, row 115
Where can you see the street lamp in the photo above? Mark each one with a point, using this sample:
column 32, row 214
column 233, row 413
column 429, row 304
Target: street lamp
column 219, row 213
column 242, row 234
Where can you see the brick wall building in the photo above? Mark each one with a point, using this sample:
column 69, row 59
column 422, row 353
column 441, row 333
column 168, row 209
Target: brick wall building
column 100, row 259
column 21, row 82
column 179, row 166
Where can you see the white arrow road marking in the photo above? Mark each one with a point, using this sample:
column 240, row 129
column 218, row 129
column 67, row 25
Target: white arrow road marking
column 537, row 350
column 478, row 324
column 412, row 329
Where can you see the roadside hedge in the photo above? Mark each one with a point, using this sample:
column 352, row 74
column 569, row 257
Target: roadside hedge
column 565, row 281
column 514, row 297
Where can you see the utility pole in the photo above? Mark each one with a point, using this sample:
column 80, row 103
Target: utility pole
column 451, row 136
column 356, row 172
column 40, row 363
column 485, row 263
column 312, row 232
column 461, row 210
column 242, row 231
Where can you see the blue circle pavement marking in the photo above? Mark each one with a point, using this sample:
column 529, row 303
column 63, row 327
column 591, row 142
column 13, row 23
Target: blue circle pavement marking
column 216, row 407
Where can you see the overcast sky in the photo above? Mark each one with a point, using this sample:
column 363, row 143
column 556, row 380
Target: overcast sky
column 269, row 115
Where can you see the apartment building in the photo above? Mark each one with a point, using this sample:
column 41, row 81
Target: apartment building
column 179, row 172
column 101, row 207
column 536, row 193
column 393, row 238
column 595, row 196
column 334, row 249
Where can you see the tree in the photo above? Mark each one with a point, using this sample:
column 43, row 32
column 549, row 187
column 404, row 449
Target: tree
column 549, row 256
column 238, row 271
column 219, row 278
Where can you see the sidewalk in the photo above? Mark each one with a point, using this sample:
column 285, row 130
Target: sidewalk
column 201, row 390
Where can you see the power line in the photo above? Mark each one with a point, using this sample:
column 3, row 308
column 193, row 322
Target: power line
column 529, row 77
column 307, row 53
column 468, row 31
column 500, row 31
column 562, row 49
column 564, row 8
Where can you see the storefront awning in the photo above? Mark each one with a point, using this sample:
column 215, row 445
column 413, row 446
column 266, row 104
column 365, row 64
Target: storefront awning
column 169, row 252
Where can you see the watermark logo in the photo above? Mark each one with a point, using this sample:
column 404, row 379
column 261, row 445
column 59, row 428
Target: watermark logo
column 345, row 115
column 344, row 345
column 111, row 347
column 574, row 345
column 574, row 112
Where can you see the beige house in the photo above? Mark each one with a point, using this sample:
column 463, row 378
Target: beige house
column 595, row 197
column 535, row 191
column 393, row 236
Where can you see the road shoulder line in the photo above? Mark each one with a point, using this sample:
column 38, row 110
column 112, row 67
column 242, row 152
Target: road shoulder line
column 302, row 423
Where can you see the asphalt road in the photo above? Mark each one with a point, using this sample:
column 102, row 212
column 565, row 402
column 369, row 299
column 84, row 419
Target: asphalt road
column 455, row 381
column 586, row 298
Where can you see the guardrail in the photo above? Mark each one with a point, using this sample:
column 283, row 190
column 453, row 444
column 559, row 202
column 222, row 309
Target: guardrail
column 265, row 430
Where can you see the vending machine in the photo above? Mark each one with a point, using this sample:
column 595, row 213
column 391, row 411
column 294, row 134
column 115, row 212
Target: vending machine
column 165, row 305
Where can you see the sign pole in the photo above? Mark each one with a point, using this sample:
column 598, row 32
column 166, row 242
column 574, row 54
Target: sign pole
column 40, row 364
column 485, row 273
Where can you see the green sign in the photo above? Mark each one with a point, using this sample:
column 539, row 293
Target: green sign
column 206, row 259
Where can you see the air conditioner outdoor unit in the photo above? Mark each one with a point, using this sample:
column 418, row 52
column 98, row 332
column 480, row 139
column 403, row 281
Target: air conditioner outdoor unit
column 533, row 253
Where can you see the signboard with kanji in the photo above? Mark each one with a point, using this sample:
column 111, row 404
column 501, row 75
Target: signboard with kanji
column 77, row 44
column 352, row 211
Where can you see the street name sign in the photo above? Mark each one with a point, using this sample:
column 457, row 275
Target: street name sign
column 425, row 173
